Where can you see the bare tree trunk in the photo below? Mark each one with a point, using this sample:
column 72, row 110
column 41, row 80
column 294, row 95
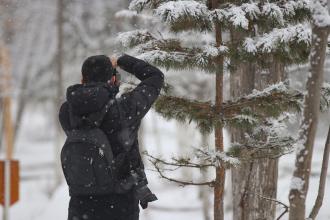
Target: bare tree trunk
column 1, row 122
column 7, row 10
column 254, row 180
column 58, row 100
column 219, row 184
column 21, row 104
column 241, row 83
column 323, row 178
column 204, row 191
column 300, row 181
column 220, row 171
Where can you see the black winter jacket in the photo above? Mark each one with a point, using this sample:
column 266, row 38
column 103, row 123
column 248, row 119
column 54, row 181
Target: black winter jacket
column 132, row 107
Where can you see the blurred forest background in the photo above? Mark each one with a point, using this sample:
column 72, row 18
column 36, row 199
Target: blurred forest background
column 47, row 42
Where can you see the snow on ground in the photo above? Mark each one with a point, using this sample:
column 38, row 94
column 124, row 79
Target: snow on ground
column 39, row 200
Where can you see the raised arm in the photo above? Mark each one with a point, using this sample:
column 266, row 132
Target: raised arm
column 140, row 100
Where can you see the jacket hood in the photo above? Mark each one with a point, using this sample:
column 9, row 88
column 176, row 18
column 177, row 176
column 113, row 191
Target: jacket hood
column 88, row 98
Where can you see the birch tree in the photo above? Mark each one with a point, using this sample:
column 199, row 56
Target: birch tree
column 305, row 147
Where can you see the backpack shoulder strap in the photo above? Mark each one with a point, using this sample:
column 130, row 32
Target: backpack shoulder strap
column 126, row 136
column 120, row 112
column 104, row 111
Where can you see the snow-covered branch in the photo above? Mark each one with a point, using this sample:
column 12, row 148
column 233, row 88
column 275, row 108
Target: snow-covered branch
column 138, row 5
column 217, row 158
column 246, row 14
column 185, row 15
column 274, row 40
column 133, row 38
column 182, row 58
column 270, row 102
column 170, row 53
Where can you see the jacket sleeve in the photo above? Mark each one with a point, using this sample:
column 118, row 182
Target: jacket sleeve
column 138, row 102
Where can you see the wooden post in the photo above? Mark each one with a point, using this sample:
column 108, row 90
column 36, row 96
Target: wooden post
column 6, row 182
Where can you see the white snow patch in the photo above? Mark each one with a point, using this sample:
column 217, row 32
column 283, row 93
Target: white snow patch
column 297, row 183
column 281, row 87
column 320, row 13
column 101, row 152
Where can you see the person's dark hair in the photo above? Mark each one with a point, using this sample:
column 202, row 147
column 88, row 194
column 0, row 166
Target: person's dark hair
column 97, row 69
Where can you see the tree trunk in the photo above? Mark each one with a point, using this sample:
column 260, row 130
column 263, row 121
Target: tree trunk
column 323, row 178
column 219, row 184
column 204, row 191
column 59, row 96
column 241, row 83
column 257, row 179
column 300, row 182
column 1, row 122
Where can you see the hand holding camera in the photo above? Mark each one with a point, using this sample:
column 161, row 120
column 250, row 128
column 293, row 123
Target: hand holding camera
column 114, row 61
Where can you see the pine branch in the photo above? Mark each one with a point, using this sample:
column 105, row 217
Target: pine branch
column 258, row 149
column 196, row 59
column 185, row 15
column 185, row 110
column 156, row 164
column 290, row 44
column 134, row 38
column 179, row 162
column 194, row 15
column 217, row 158
column 139, row 5
column 269, row 102
column 266, row 15
column 169, row 53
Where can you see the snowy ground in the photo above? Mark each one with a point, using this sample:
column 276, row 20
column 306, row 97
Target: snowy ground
column 36, row 154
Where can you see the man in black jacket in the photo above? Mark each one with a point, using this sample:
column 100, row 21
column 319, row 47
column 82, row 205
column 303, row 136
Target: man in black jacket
column 99, row 85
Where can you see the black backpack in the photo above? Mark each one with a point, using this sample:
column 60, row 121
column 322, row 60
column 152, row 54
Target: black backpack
column 88, row 163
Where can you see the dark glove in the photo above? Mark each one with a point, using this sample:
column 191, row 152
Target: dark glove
column 144, row 195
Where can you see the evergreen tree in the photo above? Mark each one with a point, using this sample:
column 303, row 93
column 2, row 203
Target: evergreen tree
column 247, row 34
